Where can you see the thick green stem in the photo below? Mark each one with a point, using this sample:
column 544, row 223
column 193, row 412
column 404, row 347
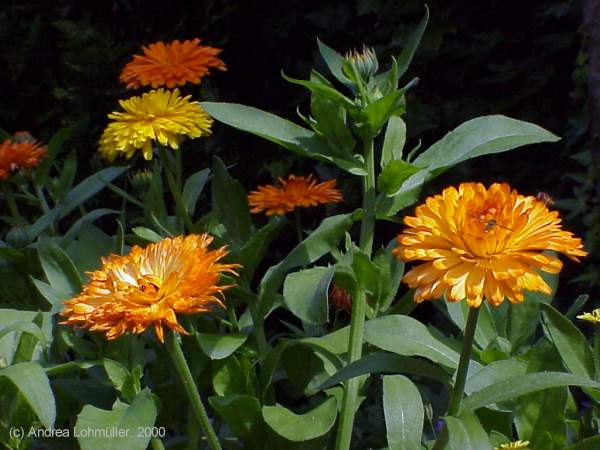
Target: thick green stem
column 174, row 349
column 346, row 420
column 368, row 222
column 174, row 182
column 461, row 374
column 359, row 306
column 10, row 200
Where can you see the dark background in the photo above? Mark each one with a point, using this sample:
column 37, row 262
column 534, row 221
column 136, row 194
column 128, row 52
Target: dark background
column 525, row 59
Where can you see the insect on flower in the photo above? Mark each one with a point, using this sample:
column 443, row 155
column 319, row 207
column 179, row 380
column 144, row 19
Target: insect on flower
column 545, row 198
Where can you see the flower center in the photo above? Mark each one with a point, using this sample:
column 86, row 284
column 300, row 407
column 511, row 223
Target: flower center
column 149, row 283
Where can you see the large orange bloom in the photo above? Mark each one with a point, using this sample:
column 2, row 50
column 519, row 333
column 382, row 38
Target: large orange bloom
column 294, row 192
column 21, row 152
column 171, row 65
column 149, row 286
column 483, row 243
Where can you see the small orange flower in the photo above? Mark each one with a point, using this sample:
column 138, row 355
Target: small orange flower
column 172, row 64
column 295, row 191
column 340, row 299
column 21, row 152
column 483, row 243
column 149, row 286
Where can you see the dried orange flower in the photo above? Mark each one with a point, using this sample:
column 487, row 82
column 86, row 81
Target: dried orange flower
column 295, row 191
column 591, row 317
column 150, row 286
column 340, row 299
column 483, row 243
column 21, row 152
column 517, row 445
column 172, row 64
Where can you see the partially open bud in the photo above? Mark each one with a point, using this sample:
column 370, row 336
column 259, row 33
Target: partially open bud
column 365, row 62
column 340, row 299
column 141, row 180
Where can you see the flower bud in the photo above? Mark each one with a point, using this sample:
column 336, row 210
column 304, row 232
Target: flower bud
column 365, row 62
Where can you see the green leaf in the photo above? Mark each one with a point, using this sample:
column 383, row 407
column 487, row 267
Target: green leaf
column 299, row 428
column 409, row 337
column 377, row 113
column 485, row 333
column 12, row 319
column 381, row 362
column 192, row 189
column 74, row 198
column 403, row 411
column 335, row 62
column 393, row 175
column 330, row 121
column 318, row 243
column 494, row 373
column 25, row 327
column 254, row 250
column 572, row 345
column 147, row 234
column 519, row 320
column 230, row 201
column 220, row 346
column 306, row 293
column 122, row 424
column 60, row 271
column 54, row 146
column 592, row 443
column 243, row 415
column 86, row 219
column 408, row 51
column 32, row 382
column 511, row 388
column 482, row 136
column 325, row 90
column 232, row 376
column 466, row 433
column 394, row 140
column 281, row 131
column 389, row 206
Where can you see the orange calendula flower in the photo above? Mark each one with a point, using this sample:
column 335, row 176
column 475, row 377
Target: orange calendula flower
column 483, row 243
column 172, row 64
column 157, row 116
column 150, row 286
column 294, row 192
column 21, row 152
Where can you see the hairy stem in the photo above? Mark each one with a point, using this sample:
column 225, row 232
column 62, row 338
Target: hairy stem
column 178, row 358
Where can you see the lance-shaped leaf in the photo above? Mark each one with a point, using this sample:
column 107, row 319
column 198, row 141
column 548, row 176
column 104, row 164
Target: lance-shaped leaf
column 403, row 411
column 281, row 131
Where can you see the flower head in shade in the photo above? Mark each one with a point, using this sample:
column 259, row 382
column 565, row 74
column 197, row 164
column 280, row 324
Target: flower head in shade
column 483, row 243
column 21, row 152
column 150, row 286
column 160, row 115
column 172, row 64
column 296, row 191
column 591, row 317
column 340, row 299
column 517, row 445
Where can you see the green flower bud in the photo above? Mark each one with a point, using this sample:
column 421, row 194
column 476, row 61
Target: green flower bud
column 141, row 179
column 365, row 62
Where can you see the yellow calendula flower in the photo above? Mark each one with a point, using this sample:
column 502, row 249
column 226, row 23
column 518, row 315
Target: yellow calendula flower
column 159, row 115
column 517, row 445
column 592, row 317
column 480, row 242
column 150, row 286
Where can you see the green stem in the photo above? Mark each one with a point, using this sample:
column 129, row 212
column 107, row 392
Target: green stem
column 174, row 349
column 368, row 223
column 461, row 373
column 298, row 225
column 346, row 420
column 359, row 306
column 259, row 332
column 156, row 444
column 463, row 364
column 10, row 200
column 175, row 188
